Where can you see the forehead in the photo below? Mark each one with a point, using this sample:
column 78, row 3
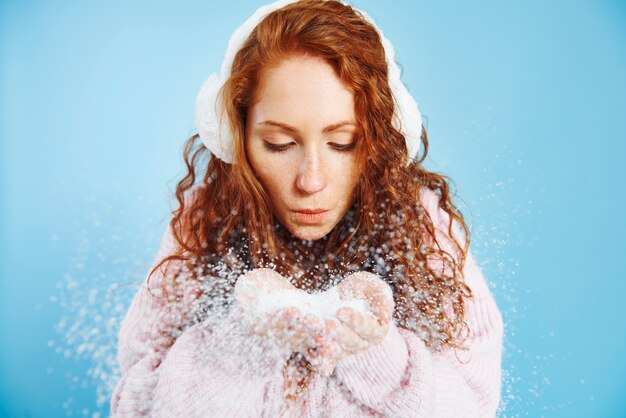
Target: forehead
column 302, row 85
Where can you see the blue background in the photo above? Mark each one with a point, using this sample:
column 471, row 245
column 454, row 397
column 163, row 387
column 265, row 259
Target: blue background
column 524, row 103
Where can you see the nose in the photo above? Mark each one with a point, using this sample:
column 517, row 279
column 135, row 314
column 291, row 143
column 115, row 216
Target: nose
column 311, row 177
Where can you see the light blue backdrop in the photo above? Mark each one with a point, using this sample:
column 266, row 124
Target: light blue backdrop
column 525, row 105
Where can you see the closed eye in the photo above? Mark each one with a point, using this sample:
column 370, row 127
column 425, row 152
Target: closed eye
column 276, row 147
column 346, row 147
column 283, row 147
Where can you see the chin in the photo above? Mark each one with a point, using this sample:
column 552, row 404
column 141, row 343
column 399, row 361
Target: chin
column 310, row 233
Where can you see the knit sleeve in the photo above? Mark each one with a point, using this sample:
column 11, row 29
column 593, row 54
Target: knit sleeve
column 402, row 377
column 213, row 368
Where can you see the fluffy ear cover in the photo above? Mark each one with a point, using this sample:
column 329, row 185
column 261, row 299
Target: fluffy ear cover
column 212, row 123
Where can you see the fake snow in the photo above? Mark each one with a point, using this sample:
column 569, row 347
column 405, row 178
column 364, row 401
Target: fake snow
column 105, row 271
column 324, row 305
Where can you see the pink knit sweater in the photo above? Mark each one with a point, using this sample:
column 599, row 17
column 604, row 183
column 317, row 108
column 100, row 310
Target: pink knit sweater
column 210, row 371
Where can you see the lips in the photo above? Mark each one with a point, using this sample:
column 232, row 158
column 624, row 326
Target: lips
column 310, row 216
column 310, row 211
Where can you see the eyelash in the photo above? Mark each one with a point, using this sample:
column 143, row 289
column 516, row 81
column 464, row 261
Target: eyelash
column 282, row 148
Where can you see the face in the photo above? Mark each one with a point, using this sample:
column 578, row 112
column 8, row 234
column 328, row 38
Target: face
column 300, row 140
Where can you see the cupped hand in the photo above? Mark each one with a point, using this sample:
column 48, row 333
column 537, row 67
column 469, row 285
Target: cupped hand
column 250, row 285
column 323, row 342
column 371, row 288
column 288, row 326
column 356, row 331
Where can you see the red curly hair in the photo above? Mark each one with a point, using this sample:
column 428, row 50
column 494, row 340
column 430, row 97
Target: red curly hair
column 224, row 226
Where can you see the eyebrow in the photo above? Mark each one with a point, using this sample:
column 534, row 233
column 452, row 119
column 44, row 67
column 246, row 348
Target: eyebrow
column 291, row 129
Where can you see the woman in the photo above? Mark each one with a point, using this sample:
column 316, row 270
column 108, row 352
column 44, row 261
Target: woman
column 311, row 187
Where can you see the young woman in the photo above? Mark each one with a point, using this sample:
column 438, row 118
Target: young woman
column 311, row 192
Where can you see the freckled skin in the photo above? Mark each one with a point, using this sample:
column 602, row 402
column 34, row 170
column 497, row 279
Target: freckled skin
column 311, row 173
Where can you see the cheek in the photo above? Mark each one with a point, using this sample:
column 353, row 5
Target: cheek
column 261, row 164
column 345, row 174
column 273, row 181
column 272, row 174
